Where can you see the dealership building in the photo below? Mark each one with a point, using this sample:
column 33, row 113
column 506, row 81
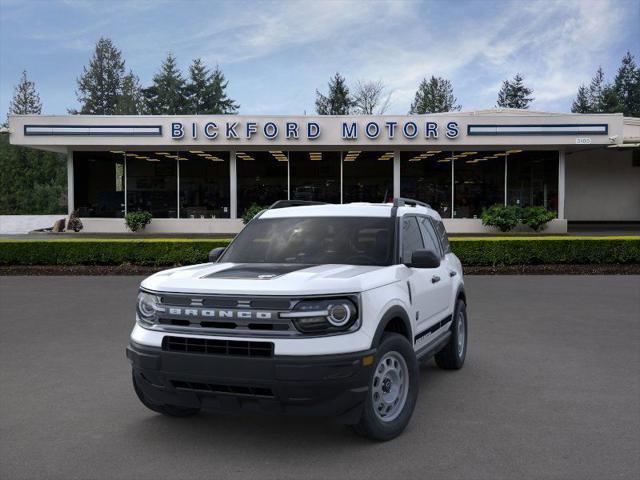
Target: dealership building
column 200, row 173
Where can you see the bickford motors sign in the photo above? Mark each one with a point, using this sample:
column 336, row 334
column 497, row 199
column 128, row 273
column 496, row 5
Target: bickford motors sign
column 294, row 130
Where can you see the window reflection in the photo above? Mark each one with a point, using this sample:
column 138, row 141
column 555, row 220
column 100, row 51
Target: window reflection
column 204, row 184
column 532, row 178
column 426, row 176
column 367, row 176
column 478, row 182
column 99, row 184
column 262, row 178
column 315, row 176
column 152, row 183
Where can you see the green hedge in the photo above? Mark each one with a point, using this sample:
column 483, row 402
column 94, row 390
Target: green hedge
column 107, row 252
column 471, row 251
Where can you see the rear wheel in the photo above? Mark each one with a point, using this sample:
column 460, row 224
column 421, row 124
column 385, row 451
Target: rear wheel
column 393, row 390
column 169, row 410
column 452, row 356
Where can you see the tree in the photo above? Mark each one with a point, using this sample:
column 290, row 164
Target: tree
column 130, row 101
column 167, row 95
column 581, row 104
column 370, row 98
column 596, row 91
column 627, row 86
column 206, row 92
column 338, row 101
column 25, row 99
column 434, row 95
column 100, row 85
column 514, row 94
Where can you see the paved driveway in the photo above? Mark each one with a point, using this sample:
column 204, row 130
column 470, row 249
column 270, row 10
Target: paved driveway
column 551, row 389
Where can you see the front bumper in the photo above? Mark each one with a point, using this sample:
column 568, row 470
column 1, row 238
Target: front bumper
column 322, row 385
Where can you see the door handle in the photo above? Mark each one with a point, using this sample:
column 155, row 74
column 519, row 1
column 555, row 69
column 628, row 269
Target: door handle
column 452, row 273
column 435, row 279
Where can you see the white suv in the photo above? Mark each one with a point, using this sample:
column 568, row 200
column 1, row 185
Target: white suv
column 313, row 309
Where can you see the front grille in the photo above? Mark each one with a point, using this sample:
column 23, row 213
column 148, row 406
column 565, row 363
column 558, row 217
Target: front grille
column 217, row 347
column 228, row 389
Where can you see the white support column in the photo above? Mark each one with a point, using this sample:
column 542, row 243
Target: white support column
column 341, row 176
column 561, row 177
column 506, row 169
column 396, row 173
column 453, row 185
column 233, row 185
column 70, row 184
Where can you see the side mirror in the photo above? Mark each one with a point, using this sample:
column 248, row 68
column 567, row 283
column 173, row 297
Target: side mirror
column 425, row 259
column 214, row 254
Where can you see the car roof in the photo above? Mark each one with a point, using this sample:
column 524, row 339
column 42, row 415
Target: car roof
column 360, row 209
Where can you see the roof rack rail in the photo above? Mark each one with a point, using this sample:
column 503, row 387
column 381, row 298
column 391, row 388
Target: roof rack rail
column 401, row 202
column 293, row 203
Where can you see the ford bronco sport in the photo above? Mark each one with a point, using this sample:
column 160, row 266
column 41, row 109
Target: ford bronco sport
column 313, row 309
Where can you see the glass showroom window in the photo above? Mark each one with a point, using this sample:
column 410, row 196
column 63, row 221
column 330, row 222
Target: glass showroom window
column 478, row 182
column 99, row 183
column 152, row 183
column 204, row 184
column 367, row 176
column 426, row 176
column 532, row 178
column 315, row 176
column 261, row 178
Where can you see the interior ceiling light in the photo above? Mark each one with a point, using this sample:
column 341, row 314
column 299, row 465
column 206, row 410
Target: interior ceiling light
column 131, row 154
column 514, row 151
column 444, row 160
column 196, row 151
column 152, row 160
column 162, row 153
column 116, row 151
column 141, row 157
column 500, row 154
column 434, row 151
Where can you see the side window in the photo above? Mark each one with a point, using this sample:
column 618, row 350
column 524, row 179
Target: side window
column 411, row 238
column 442, row 233
column 430, row 239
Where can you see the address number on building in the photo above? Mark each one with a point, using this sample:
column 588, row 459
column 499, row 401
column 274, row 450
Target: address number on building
column 583, row 141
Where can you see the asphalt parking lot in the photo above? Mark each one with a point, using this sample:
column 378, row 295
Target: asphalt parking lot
column 551, row 389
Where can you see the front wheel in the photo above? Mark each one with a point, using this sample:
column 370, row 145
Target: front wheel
column 393, row 390
column 452, row 356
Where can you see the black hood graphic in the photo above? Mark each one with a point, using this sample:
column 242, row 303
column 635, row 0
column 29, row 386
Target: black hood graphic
column 258, row 271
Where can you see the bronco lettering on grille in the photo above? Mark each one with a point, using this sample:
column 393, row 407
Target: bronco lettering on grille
column 213, row 313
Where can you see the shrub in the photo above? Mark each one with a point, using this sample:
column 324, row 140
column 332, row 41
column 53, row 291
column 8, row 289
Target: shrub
column 503, row 217
column 74, row 223
column 251, row 212
column 537, row 217
column 168, row 252
column 137, row 220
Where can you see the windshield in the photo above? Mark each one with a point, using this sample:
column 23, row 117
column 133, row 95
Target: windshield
column 314, row 240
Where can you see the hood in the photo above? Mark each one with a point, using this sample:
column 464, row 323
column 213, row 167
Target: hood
column 272, row 279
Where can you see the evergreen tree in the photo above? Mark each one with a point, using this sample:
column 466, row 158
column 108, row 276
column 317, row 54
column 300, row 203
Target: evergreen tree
column 627, row 86
column 338, row 101
column 514, row 94
column 167, row 95
column 596, row 91
column 581, row 104
column 130, row 101
column 25, row 99
column 100, row 85
column 206, row 91
column 433, row 96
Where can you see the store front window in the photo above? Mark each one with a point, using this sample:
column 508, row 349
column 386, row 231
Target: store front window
column 99, row 184
column 478, row 182
column 315, row 176
column 262, row 178
column 367, row 176
column 532, row 178
column 152, row 183
column 426, row 176
column 204, row 184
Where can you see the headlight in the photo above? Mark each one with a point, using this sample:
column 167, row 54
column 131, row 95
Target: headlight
column 147, row 307
column 324, row 315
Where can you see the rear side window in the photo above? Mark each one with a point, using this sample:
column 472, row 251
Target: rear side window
column 442, row 233
column 431, row 241
column 411, row 238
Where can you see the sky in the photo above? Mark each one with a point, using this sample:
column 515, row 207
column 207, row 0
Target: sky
column 275, row 54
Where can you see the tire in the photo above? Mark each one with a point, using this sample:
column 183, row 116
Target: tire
column 383, row 420
column 169, row 410
column 452, row 356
